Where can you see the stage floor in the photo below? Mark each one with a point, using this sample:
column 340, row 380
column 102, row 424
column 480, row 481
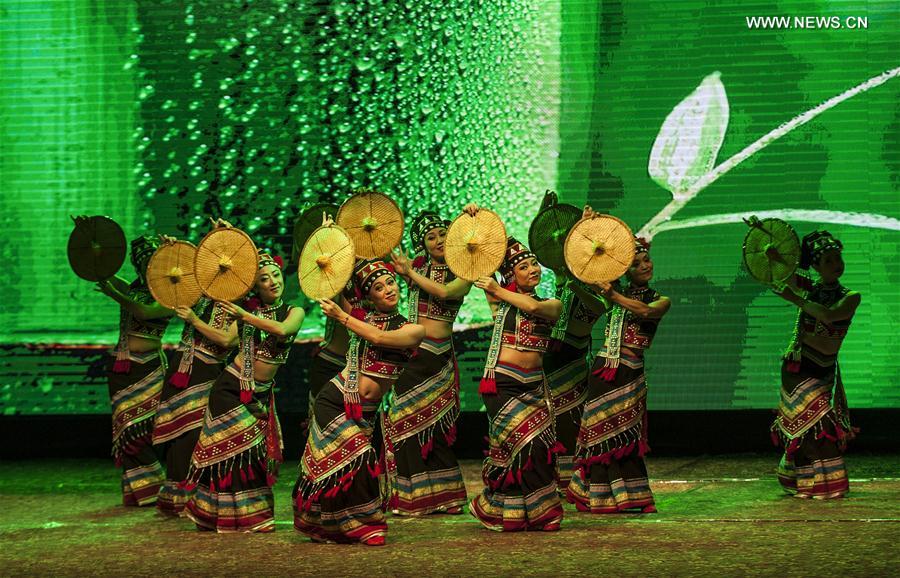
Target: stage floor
column 719, row 515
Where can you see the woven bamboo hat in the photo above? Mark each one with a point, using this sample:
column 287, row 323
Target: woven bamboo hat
column 308, row 221
column 170, row 275
column 771, row 250
column 548, row 232
column 96, row 248
column 326, row 262
column 226, row 264
column 374, row 223
column 475, row 246
column 599, row 248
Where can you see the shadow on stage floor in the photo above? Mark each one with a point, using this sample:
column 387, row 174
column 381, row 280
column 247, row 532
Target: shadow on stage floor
column 717, row 516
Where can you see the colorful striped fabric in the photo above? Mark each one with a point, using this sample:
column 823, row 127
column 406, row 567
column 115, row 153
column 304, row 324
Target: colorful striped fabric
column 421, row 428
column 135, row 403
column 519, row 472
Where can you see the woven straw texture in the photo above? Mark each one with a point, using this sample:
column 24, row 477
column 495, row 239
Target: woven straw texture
column 548, row 232
column 771, row 250
column 599, row 249
column 475, row 246
column 374, row 223
column 226, row 264
column 170, row 275
column 326, row 262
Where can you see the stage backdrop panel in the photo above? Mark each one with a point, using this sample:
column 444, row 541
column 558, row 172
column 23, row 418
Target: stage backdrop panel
column 162, row 114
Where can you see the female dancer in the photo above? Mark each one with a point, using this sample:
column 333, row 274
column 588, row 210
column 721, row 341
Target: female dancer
column 135, row 374
column 195, row 365
column 813, row 423
column 610, row 474
column 235, row 461
column 518, row 473
column 567, row 368
column 425, row 476
column 337, row 496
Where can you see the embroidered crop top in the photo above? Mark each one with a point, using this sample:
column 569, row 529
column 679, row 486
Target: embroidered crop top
column 427, row 305
column 271, row 348
column 213, row 315
column 637, row 333
column 383, row 362
column 582, row 313
column 826, row 296
column 525, row 332
column 146, row 328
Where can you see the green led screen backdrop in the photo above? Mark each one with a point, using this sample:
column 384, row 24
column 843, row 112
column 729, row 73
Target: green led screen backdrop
column 162, row 114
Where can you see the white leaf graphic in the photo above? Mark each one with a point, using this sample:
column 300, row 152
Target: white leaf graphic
column 689, row 140
column 868, row 220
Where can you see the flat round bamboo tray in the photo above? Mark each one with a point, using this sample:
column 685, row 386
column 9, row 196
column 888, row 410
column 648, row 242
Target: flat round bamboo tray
column 475, row 246
column 171, row 277
column 226, row 264
column 326, row 262
column 308, row 221
column 96, row 248
column 599, row 248
column 771, row 250
column 374, row 223
column 548, row 233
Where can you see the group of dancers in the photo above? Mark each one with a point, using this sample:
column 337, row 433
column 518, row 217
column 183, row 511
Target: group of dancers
column 384, row 394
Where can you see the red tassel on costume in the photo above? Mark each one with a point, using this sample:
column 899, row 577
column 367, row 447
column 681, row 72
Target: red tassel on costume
column 180, row 380
column 243, row 476
column 519, row 476
column 450, row 435
column 643, row 448
column 122, row 366
column 271, row 479
column 488, row 386
column 528, row 465
column 607, row 373
column 359, row 313
column 791, row 449
column 776, row 441
column 509, row 479
column 376, row 471
column 793, row 366
column 427, row 447
column 419, row 262
column 250, row 473
column 212, row 485
column 353, row 411
column 349, row 482
column 512, row 286
column 246, row 396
